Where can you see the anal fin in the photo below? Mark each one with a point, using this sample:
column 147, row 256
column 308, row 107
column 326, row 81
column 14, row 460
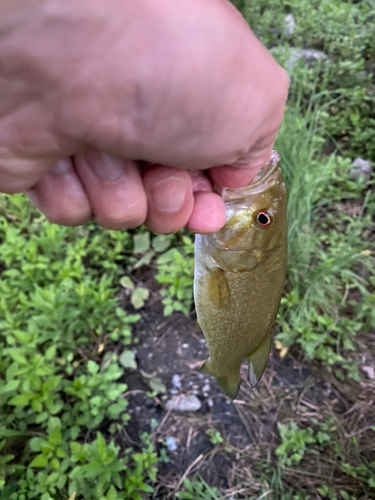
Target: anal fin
column 229, row 385
column 258, row 361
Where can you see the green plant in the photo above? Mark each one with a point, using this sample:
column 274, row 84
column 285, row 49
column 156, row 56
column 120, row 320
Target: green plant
column 293, row 443
column 215, row 436
column 59, row 377
column 326, row 247
column 175, row 269
column 342, row 80
column 198, row 490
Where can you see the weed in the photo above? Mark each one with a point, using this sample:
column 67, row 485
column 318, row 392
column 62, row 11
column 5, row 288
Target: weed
column 58, row 311
column 175, row 269
column 198, row 490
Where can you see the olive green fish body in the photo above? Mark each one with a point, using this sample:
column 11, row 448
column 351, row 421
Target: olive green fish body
column 239, row 277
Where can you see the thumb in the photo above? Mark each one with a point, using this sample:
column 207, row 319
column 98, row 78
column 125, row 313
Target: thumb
column 20, row 174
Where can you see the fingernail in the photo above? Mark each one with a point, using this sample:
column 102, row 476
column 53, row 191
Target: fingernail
column 169, row 195
column 61, row 166
column 105, row 166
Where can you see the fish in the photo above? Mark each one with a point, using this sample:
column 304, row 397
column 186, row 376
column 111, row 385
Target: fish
column 239, row 275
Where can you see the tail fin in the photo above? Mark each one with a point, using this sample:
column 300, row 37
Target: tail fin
column 230, row 385
column 258, row 361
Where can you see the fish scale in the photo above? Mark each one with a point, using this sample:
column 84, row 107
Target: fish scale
column 239, row 278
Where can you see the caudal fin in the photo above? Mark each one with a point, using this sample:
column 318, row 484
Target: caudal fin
column 258, row 361
column 230, row 385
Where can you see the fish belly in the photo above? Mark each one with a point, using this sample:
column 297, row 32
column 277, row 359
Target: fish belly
column 236, row 310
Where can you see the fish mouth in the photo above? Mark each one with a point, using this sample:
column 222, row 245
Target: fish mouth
column 264, row 178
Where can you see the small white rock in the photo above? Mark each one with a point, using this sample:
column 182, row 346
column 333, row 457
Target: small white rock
column 171, row 443
column 187, row 403
column 176, row 381
column 289, row 24
column 308, row 55
column 370, row 371
column 361, row 168
column 206, row 389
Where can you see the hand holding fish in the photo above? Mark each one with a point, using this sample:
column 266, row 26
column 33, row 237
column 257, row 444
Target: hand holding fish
column 90, row 88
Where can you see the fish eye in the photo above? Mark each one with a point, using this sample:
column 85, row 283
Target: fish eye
column 263, row 219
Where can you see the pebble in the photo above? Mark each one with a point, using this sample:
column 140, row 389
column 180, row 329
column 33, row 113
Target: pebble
column 289, row 24
column 361, row 168
column 370, row 371
column 174, row 391
column 206, row 389
column 176, row 381
column 210, row 402
column 187, row 403
column 185, row 346
column 171, row 443
column 309, row 55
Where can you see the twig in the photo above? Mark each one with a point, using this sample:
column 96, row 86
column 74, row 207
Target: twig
column 244, row 422
column 191, row 466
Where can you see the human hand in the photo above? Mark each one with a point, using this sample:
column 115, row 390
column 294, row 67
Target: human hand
column 84, row 85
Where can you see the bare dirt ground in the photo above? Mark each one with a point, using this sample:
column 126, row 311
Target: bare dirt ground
column 243, row 459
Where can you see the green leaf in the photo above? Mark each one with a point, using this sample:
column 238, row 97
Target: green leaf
column 92, row 367
column 127, row 360
column 55, row 464
column 55, row 436
column 18, row 357
column 50, row 352
column 141, row 242
column 10, row 386
column 20, row 400
column 144, row 261
column 126, row 282
column 139, row 297
column 101, row 447
column 111, row 493
column 36, row 443
column 36, row 405
column 60, row 452
column 161, row 243
column 52, row 383
column 157, row 386
column 22, row 336
column 39, row 461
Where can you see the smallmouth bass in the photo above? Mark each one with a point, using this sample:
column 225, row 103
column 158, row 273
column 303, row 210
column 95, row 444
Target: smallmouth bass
column 239, row 277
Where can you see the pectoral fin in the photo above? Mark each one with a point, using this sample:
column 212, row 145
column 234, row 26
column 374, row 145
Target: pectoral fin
column 230, row 385
column 218, row 288
column 258, row 361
